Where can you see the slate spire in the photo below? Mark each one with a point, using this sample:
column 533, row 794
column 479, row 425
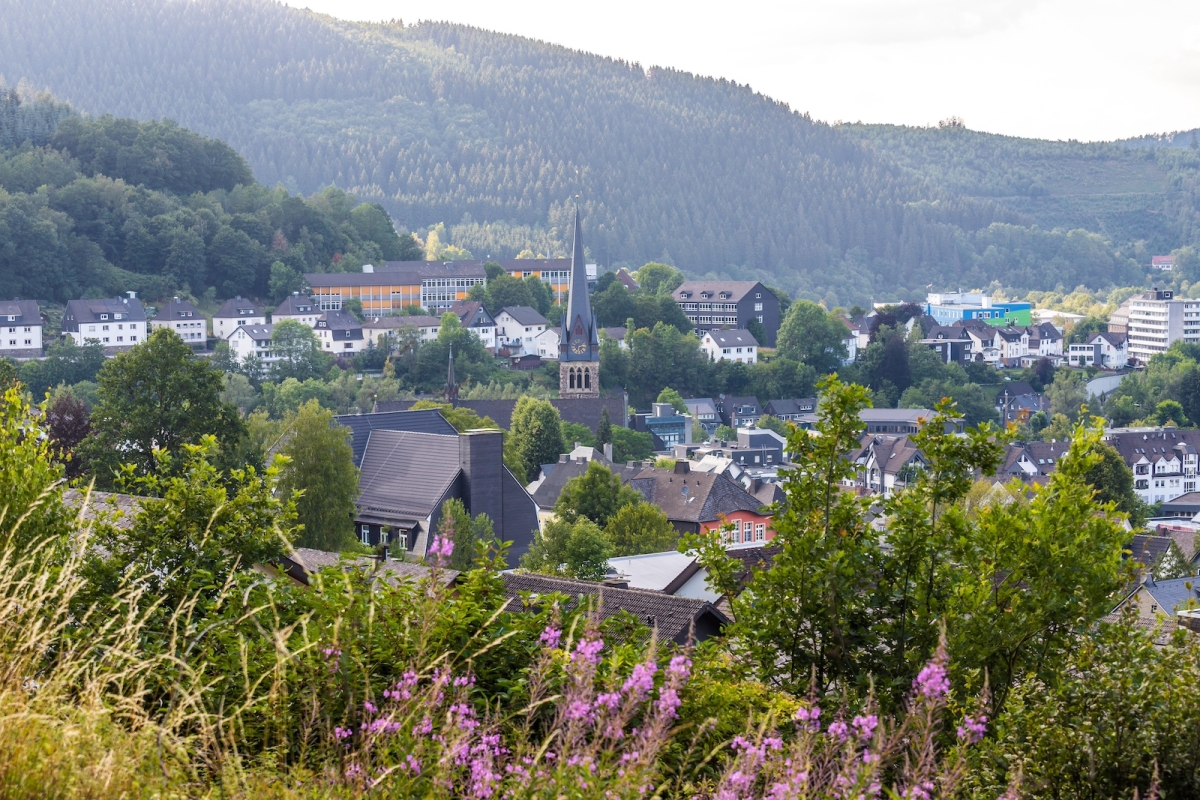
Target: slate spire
column 579, row 320
column 451, row 383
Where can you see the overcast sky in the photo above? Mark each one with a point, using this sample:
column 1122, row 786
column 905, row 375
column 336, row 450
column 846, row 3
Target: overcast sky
column 1061, row 69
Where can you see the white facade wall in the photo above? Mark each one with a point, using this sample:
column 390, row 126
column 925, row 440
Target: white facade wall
column 547, row 343
column 192, row 331
column 242, row 345
column 21, row 338
column 110, row 333
column 511, row 332
column 746, row 354
column 223, row 326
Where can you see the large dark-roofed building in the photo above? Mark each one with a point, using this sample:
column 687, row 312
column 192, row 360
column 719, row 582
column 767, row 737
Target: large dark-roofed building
column 428, row 420
column 729, row 304
column 583, row 411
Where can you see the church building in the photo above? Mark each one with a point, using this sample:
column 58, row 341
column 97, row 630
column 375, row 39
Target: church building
column 579, row 335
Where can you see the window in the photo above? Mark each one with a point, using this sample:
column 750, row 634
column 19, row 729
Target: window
column 758, row 306
column 103, row 327
column 760, row 532
column 365, row 534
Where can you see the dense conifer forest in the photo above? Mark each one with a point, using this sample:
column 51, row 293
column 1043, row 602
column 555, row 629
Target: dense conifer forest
column 493, row 135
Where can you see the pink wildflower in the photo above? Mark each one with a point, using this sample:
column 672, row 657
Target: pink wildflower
column 932, row 681
column 550, row 637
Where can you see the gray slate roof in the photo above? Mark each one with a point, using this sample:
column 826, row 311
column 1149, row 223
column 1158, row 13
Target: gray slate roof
column 25, row 311
column 525, row 315
column 259, row 333
column 178, row 310
column 399, row 321
column 556, row 477
column 339, row 320
column 708, row 496
column 1175, row 594
column 80, row 312
column 733, row 338
column 115, row 509
column 429, row 420
column 735, row 289
column 238, row 307
column 405, row 475
column 676, row 619
column 295, row 305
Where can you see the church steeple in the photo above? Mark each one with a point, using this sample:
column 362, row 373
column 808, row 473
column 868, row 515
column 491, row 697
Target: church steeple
column 579, row 335
column 451, row 383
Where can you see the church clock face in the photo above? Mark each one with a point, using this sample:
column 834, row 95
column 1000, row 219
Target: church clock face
column 579, row 347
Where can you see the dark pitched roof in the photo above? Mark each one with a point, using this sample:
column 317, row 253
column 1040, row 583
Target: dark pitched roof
column 26, row 311
column 115, row 509
column 303, row 562
column 525, row 315
column 708, row 495
column 239, row 307
column 1154, row 445
column 1015, row 389
column 676, row 619
column 1148, row 550
column 793, row 405
column 582, row 411
column 626, row 279
column 692, row 290
column 295, row 305
column 732, row 338
column 1010, row 334
column 84, row 311
column 260, row 333
column 404, row 475
column 429, row 420
column 1115, row 339
column 752, row 558
column 616, row 332
column 472, row 313
column 339, row 320
column 1047, row 332
column 178, row 310
column 1175, row 594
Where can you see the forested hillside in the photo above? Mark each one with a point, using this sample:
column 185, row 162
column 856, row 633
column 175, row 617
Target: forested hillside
column 105, row 205
column 494, row 134
column 1142, row 195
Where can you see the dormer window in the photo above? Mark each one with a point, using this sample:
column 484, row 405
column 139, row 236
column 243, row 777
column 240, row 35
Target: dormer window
column 104, row 316
column 724, row 295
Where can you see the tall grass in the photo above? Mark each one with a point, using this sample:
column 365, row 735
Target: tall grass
column 249, row 686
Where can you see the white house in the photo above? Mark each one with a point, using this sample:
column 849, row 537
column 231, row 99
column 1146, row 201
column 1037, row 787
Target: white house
column 20, row 328
column 986, row 342
column 520, row 326
column 384, row 330
column 475, row 318
column 297, row 307
column 340, row 333
column 618, row 334
column 236, row 311
column 547, row 343
column 1045, row 339
column 118, row 322
column 1013, row 343
column 730, row 345
column 1103, row 350
column 252, row 340
column 186, row 320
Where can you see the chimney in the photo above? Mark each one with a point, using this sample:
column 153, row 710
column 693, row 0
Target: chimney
column 132, row 295
column 682, row 467
column 368, row 269
column 562, row 458
column 608, row 451
column 481, row 454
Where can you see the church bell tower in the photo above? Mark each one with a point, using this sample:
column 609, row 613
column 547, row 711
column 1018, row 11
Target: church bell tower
column 579, row 335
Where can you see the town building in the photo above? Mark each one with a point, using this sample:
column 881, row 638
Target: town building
column 186, row 320
column 548, row 344
column 385, row 331
column 1165, row 263
column 1157, row 320
column 729, row 345
column 298, row 308
column 738, row 412
column 672, row 572
column 587, row 411
column 117, row 323
column 666, row 424
column 475, row 318
column 703, row 502
column 627, row 280
column 554, row 272
column 617, row 333
column 885, row 464
column 729, row 304
column 396, row 285
column 1103, row 350
column 579, row 333
column 235, row 312
column 1163, row 460
column 406, row 477
column 20, row 329
column 518, row 327
column 704, row 411
column 340, row 333
column 791, row 409
column 252, row 340
column 755, row 447
column 947, row 308
column 952, row 343
column 1152, row 599
column 553, row 478
column 1017, row 402
column 1118, row 321
column 1031, row 461
column 897, row 420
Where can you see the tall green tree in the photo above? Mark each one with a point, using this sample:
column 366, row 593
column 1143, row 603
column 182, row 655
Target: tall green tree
column 604, row 429
column 157, row 397
column 813, row 336
column 639, row 528
column 669, row 395
column 660, row 279
column 298, row 352
column 597, row 494
column 321, row 475
column 569, row 548
column 536, row 434
column 466, row 533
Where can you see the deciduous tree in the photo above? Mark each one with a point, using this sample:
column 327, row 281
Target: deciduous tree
column 321, row 468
